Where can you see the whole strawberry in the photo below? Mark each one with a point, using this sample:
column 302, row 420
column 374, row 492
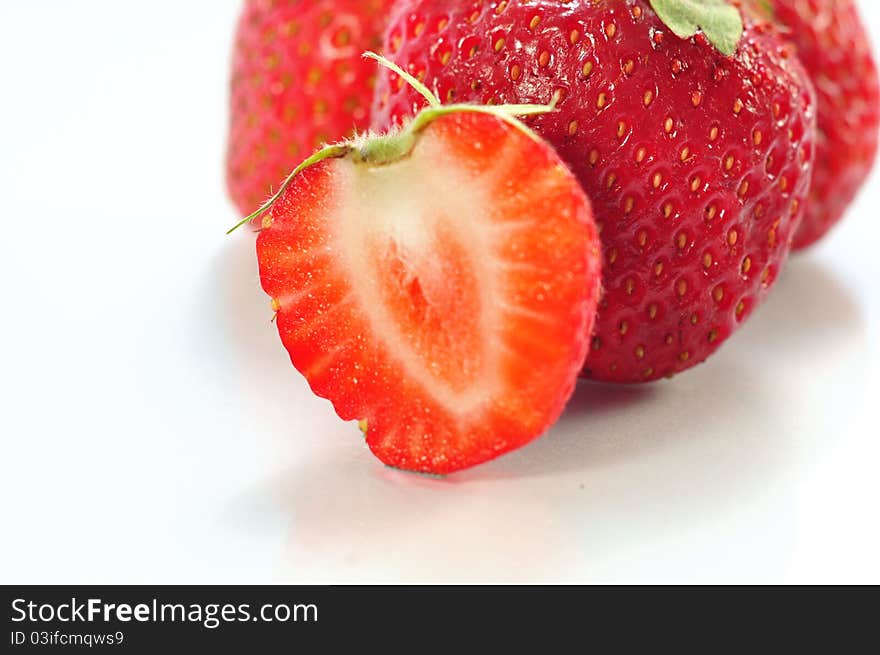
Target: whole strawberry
column 694, row 145
column 834, row 48
column 298, row 81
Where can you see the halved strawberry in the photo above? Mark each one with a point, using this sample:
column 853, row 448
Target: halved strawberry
column 438, row 284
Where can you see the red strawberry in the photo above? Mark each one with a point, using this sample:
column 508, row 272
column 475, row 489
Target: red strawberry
column 298, row 82
column 832, row 43
column 437, row 284
column 697, row 163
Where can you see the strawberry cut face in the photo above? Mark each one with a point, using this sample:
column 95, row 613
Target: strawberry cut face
column 444, row 298
column 417, row 277
column 435, row 304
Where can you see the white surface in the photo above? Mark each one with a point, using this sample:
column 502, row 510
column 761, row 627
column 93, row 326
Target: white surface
column 154, row 431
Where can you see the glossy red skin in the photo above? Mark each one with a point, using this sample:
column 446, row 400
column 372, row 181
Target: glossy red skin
column 832, row 44
column 298, row 81
column 543, row 283
column 677, row 285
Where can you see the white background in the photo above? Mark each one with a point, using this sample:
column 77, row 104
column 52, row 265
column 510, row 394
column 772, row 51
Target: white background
column 153, row 430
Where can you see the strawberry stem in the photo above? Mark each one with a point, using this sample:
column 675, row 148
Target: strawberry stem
column 425, row 92
column 507, row 113
column 387, row 148
column 396, row 145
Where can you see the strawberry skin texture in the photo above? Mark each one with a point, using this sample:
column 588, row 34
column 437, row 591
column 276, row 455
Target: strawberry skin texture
column 834, row 48
column 298, row 81
column 443, row 300
column 697, row 165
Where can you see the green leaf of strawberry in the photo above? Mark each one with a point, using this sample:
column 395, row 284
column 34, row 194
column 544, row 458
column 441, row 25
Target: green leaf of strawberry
column 720, row 21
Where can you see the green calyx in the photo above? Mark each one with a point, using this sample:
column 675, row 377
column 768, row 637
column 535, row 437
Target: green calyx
column 397, row 144
column 719, row 20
